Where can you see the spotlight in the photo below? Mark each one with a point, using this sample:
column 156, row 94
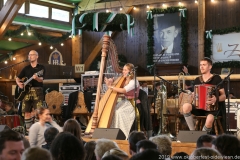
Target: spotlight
column 62, row 44
column 134, row 8
column 14, row 58
column 5, row 62
column 148, row 6
column 9, row 39
column 39, row 43
column 51, row 47
column 29, row 33
column 21, row 34
column 196, row 1
column 120, row 9
column 107, row 10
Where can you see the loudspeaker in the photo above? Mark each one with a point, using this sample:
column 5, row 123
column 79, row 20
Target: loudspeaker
column 189, row 136
column 109, row 133
column 4, row 127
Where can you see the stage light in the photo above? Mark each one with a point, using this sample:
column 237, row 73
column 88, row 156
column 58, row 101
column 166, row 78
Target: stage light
column 39, row 43
column 62, row 44
column 9, row 39
column 5, row 62
column 51, row 47
column 14, row 58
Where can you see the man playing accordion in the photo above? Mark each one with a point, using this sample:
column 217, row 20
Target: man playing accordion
column 219, row 98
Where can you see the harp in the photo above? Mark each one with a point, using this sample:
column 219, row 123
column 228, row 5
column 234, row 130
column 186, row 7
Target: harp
column 105, row 105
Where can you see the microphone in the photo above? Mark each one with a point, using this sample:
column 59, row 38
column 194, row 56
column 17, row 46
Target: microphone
column 164, row 49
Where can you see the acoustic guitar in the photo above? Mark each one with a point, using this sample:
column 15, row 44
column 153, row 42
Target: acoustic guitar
column 21, row 92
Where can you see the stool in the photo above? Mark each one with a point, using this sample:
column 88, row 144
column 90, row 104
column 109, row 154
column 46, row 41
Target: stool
column 200, row 121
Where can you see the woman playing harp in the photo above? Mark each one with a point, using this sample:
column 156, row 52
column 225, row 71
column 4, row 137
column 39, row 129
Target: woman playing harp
column 124, row 114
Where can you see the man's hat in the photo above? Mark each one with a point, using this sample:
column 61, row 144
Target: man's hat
column 162, row 21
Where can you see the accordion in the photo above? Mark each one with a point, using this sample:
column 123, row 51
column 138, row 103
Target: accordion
column 202, row 92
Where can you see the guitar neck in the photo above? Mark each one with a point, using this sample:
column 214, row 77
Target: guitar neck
column 25, row 83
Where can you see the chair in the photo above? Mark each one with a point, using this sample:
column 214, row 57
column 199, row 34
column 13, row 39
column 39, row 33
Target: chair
column 200, row 121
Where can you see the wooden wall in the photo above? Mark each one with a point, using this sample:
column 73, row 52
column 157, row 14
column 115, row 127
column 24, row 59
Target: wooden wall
column 52, row 72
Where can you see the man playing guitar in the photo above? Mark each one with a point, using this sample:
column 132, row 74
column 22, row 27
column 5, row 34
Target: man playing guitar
column 34, row 98
column 206, row 78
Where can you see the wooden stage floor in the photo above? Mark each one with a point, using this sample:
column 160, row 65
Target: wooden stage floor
column 176, row 146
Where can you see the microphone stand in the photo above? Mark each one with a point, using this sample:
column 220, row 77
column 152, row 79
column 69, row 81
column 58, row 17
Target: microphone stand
column 135, row 98
column 228, row 107
column 154, row 87
column 12, row 65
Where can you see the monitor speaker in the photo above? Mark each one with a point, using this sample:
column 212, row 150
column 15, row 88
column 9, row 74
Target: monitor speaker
column 3, row 127
column 109, row 133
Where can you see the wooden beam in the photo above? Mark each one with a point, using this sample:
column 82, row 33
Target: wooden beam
column 8, row 13
column 42, row 31
column 27, row 49
column 76, row 50
column 30, row 41
column 201, row 29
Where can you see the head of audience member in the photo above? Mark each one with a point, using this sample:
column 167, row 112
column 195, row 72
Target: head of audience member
column 73, row 127
column 227, row 145
column 89, row 150
column 36, row 153
column 11, row 145
column 43, row 115
column 151, row 154
column 164, row 144
column 49, row 135
column 3, row 101
column 9, row 108
column 117, row 152
column 180, row 155
column 67, row 147
column 103, row 145
column 145, row 144
column 133, row 138
column 205, row 141
column 205, row 153
column 111, row 157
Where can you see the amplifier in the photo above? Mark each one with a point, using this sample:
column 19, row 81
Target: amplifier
column 232, row 115
column 67, row 89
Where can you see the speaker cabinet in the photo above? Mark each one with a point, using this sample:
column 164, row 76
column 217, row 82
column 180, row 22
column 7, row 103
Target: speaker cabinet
column 109, row 133
column 3, row 127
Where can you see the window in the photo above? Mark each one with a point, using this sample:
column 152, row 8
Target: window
column 38, row 11
column 61, row 15
column 22, row 9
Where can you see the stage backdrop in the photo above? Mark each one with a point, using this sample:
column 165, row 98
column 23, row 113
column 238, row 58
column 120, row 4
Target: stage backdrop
column 226, row 47
column 167, row 36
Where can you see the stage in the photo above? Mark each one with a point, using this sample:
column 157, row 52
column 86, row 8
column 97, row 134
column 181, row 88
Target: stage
column 176, row 146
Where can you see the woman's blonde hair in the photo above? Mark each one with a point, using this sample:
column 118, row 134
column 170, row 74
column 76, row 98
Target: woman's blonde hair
column 130, row 66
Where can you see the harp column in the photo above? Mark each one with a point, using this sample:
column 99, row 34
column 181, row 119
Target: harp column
column 105, row 48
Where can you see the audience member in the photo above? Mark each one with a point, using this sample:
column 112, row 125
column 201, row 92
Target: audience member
column 180, row 155
column 9, row 108
column 205, row 153
column 11, row 145
column 111, row 157
column 67, row 147
column 227, row 145
column 116, row 152
column 73, row 127
column 145, row 144
column 36, row 132
column 89, row 150
column 49, row 135
column 164, row 144
column 103, row 145
column 36, row 153
column 205, row 141
column 133, row 138
column 151, row 154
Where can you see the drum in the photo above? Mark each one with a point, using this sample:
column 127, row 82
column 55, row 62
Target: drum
column 202, row 92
